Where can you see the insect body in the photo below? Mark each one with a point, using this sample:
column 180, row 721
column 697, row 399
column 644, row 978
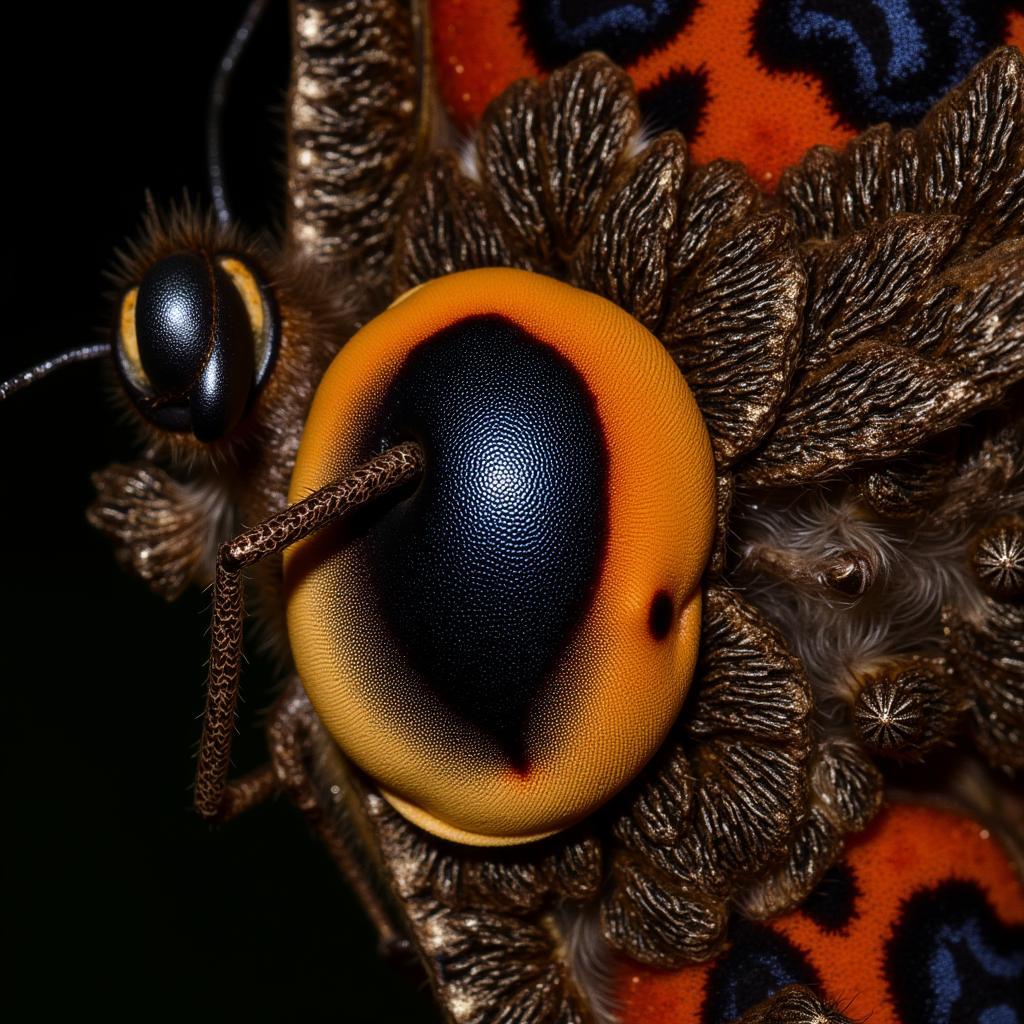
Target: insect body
column 443, row 426
column 111, row 874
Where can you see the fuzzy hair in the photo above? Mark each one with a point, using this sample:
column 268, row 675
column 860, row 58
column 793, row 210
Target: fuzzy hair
column 590, row 959
column 917, row 569
column 246, row 474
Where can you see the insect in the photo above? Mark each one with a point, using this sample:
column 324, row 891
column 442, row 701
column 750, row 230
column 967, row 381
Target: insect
column 650, row 822
column 133, row 893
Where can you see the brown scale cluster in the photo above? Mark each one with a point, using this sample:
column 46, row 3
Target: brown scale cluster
column 997, row 558
column 972, row 484
column 491, row 956
column 160, row 527
column 845, row 791
column 908, row 708
column 701, row 827
column 848, row 324
column 987, row 652
column 838, row 338
column 517, row 880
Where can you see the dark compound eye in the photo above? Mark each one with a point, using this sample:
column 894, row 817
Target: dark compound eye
column 195, row 342
column 504, row 646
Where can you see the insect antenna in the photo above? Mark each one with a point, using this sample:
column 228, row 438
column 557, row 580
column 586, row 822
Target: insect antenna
column 216, row 797
column 215, row 109
column 48, row 366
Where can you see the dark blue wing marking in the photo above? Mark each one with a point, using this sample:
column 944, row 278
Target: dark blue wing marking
column 758, row 964
column 952, row 961
column 880, row 60
column 558, row 30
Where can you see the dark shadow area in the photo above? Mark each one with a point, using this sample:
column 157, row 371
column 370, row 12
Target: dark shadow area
column 118, row 899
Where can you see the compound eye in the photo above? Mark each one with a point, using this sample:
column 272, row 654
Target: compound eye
column 195, row 342
column 504, row 646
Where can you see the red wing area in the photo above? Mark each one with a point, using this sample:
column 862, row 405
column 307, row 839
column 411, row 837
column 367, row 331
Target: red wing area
column 922, row 922
column 759, row 81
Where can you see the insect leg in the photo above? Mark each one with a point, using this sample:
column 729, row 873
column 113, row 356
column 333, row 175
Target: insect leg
column 395, row 467
column 293, row 736
column 248, row 791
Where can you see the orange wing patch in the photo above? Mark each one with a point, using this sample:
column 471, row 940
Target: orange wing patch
column 765, row 120
column 762, row 119
column 908, row 852
column 745, row 99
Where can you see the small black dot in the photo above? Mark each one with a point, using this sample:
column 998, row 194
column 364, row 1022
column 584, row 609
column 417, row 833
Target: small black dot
column 660, row 618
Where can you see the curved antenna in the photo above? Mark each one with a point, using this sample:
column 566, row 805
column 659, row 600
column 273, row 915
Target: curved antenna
column 215, row 109
column 425, row 77
column 48, row 366
column 216, row 797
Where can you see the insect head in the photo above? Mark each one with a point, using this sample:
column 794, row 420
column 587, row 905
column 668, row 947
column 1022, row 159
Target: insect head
column 195, row 342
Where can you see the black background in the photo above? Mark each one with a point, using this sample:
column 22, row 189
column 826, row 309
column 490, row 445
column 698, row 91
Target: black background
column 119, row 900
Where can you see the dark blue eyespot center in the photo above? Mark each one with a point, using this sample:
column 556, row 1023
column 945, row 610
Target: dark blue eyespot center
column 485, row 572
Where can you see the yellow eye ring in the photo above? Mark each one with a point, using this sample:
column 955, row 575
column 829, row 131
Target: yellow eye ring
column 128, row 341
column 257, row 307
column 589, row 708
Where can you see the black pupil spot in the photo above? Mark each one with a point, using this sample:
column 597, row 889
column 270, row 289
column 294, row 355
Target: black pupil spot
column 660, row 618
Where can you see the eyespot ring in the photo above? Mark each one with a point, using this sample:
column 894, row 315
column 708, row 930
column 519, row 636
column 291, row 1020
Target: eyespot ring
column 608, row 710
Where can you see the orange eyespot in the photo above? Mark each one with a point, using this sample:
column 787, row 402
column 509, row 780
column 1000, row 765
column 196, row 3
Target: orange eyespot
column 504, row 645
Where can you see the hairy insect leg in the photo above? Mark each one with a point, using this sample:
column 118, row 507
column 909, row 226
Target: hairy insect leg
column 215, row 797
column 293, row 740
column 249, row 791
